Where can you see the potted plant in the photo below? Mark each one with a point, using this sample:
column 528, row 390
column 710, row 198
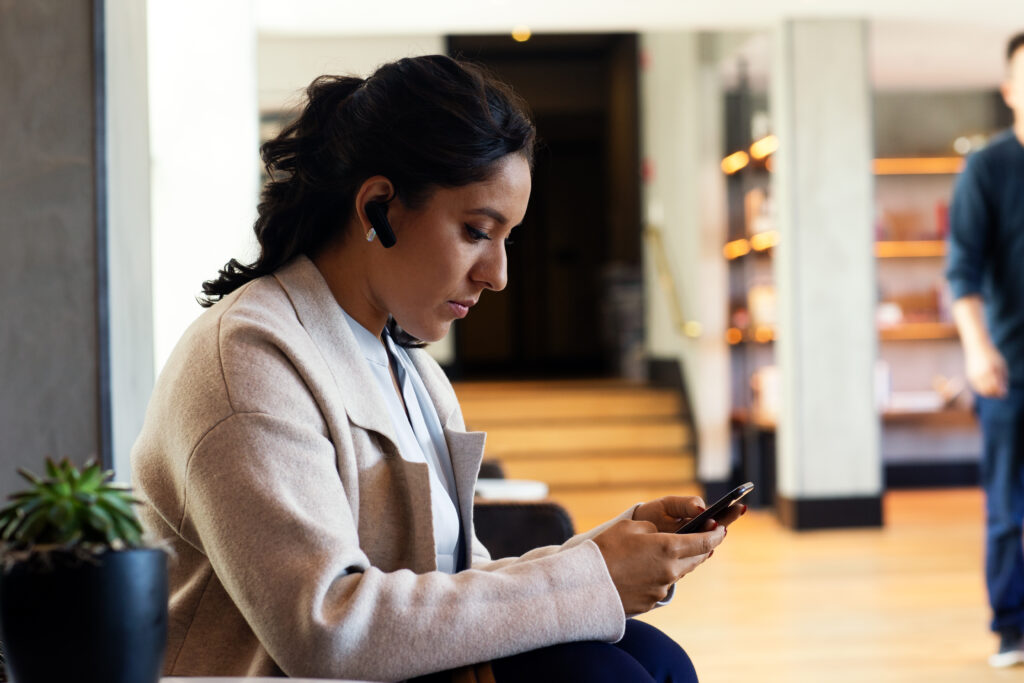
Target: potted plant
column 81, row 597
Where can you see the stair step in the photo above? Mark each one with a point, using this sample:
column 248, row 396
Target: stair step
column 623, row 470
column 523, row 408
column 489, row 404
column 592, row 436
column 587, row 440
column 591, row 454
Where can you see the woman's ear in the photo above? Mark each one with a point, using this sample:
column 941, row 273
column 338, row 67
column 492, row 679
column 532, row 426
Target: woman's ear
column 372, row 210
column 374, row 189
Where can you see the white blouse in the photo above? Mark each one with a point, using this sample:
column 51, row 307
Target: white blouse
column 420, row 437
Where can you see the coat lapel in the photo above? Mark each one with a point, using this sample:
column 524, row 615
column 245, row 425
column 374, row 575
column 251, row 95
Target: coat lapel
column 323, row 319
column 321, row 316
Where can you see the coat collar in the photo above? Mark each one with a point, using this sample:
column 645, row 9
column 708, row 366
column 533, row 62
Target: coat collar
column 324, row 320
column 322, row 317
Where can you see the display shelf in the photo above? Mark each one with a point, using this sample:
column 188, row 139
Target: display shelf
column 923, row 331
column 918, row 165
column 946, row 417
column 758, row 334
column 910, row 248
column 761, row 243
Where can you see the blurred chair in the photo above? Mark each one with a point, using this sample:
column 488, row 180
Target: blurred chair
column 510, row 526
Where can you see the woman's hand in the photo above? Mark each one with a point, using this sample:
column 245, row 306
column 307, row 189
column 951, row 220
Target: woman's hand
column 671, row 512
column 644, row 564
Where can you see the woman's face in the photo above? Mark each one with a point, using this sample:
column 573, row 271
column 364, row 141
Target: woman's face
column 448, row 251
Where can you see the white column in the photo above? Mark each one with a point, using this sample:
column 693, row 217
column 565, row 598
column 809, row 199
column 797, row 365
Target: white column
column 205, row 158
column 129, row 269
column 829, row 464
column 684, row 198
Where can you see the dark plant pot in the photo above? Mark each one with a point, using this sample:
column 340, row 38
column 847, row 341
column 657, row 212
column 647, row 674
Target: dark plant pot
column 102, row 621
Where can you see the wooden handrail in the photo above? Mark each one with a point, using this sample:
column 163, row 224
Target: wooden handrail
column 686, row 328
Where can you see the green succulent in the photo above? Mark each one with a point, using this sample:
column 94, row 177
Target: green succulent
column 70, row 509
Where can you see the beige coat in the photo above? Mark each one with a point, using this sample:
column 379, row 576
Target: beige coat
column 303, row 541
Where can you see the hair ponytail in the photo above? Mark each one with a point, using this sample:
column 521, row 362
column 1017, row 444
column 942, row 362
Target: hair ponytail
column 294, row 158
column 422, row 122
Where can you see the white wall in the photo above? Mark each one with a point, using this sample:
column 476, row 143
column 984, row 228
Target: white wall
column 287, row 64
column 684, row 197
column 128, row 229
column 317, row 17
column 204, row 145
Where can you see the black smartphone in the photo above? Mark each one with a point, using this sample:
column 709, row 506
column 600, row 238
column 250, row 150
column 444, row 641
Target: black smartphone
column 716, row 510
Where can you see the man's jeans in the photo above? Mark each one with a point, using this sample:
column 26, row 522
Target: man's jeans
column 1002, row 476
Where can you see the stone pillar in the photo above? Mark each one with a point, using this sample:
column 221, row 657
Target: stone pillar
column 52, row 337
column 829, row 463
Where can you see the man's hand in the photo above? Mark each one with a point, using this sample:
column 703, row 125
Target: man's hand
column 985, row 366
column 986, row 370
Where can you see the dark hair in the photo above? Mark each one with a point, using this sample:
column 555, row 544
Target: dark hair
column 1013, row 45
column 422, row 122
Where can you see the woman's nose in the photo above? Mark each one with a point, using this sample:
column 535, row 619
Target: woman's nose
column 492, row 271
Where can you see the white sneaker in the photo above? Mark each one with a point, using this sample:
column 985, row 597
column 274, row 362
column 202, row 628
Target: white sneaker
column 1011, row 651
column 1003, row 660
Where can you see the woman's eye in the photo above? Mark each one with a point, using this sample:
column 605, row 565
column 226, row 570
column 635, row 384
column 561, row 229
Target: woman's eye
column 475, row 234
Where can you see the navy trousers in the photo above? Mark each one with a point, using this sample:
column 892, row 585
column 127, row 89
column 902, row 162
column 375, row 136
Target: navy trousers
column 644, row 655
column 1002, row 476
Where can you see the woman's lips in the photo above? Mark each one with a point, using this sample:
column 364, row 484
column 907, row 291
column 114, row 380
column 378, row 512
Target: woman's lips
column 460, row 309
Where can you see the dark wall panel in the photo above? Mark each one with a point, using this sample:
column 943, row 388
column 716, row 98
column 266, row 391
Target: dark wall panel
column 48, row 236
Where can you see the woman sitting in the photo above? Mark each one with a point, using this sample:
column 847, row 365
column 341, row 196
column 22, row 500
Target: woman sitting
column 308, row 462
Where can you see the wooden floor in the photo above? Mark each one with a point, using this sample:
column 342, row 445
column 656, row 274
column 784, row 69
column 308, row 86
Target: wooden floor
column 901, row 603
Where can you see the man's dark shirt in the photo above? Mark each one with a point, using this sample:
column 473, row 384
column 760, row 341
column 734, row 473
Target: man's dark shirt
column 986, row 243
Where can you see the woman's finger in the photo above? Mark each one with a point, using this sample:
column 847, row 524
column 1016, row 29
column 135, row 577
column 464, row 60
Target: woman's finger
column 699, row 543
column 731, row 514
column 682, row 507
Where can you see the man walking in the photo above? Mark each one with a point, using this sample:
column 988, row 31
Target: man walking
column 986, row 276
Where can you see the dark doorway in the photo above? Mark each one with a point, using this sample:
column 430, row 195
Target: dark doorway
column 581, row 238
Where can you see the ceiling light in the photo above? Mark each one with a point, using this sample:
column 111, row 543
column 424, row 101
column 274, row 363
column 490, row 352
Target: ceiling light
column 521, row 33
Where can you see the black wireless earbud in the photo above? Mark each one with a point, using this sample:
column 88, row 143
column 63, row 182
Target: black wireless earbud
column 377, row 213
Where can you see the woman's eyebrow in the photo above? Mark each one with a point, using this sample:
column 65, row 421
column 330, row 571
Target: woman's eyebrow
column 490, row 213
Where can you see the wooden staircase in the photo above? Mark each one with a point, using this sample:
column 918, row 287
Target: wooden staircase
column 599, row 445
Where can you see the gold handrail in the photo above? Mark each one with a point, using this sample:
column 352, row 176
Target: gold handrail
column 686, row 328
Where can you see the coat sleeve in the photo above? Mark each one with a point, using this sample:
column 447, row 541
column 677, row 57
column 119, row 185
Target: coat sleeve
column 970, row 231
column 265, row 504
column 482, row 559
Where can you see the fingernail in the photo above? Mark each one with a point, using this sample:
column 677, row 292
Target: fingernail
column 725, row 531
column 710, row 554
column 714, row 524
column 743, row 511
column 700, row 509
